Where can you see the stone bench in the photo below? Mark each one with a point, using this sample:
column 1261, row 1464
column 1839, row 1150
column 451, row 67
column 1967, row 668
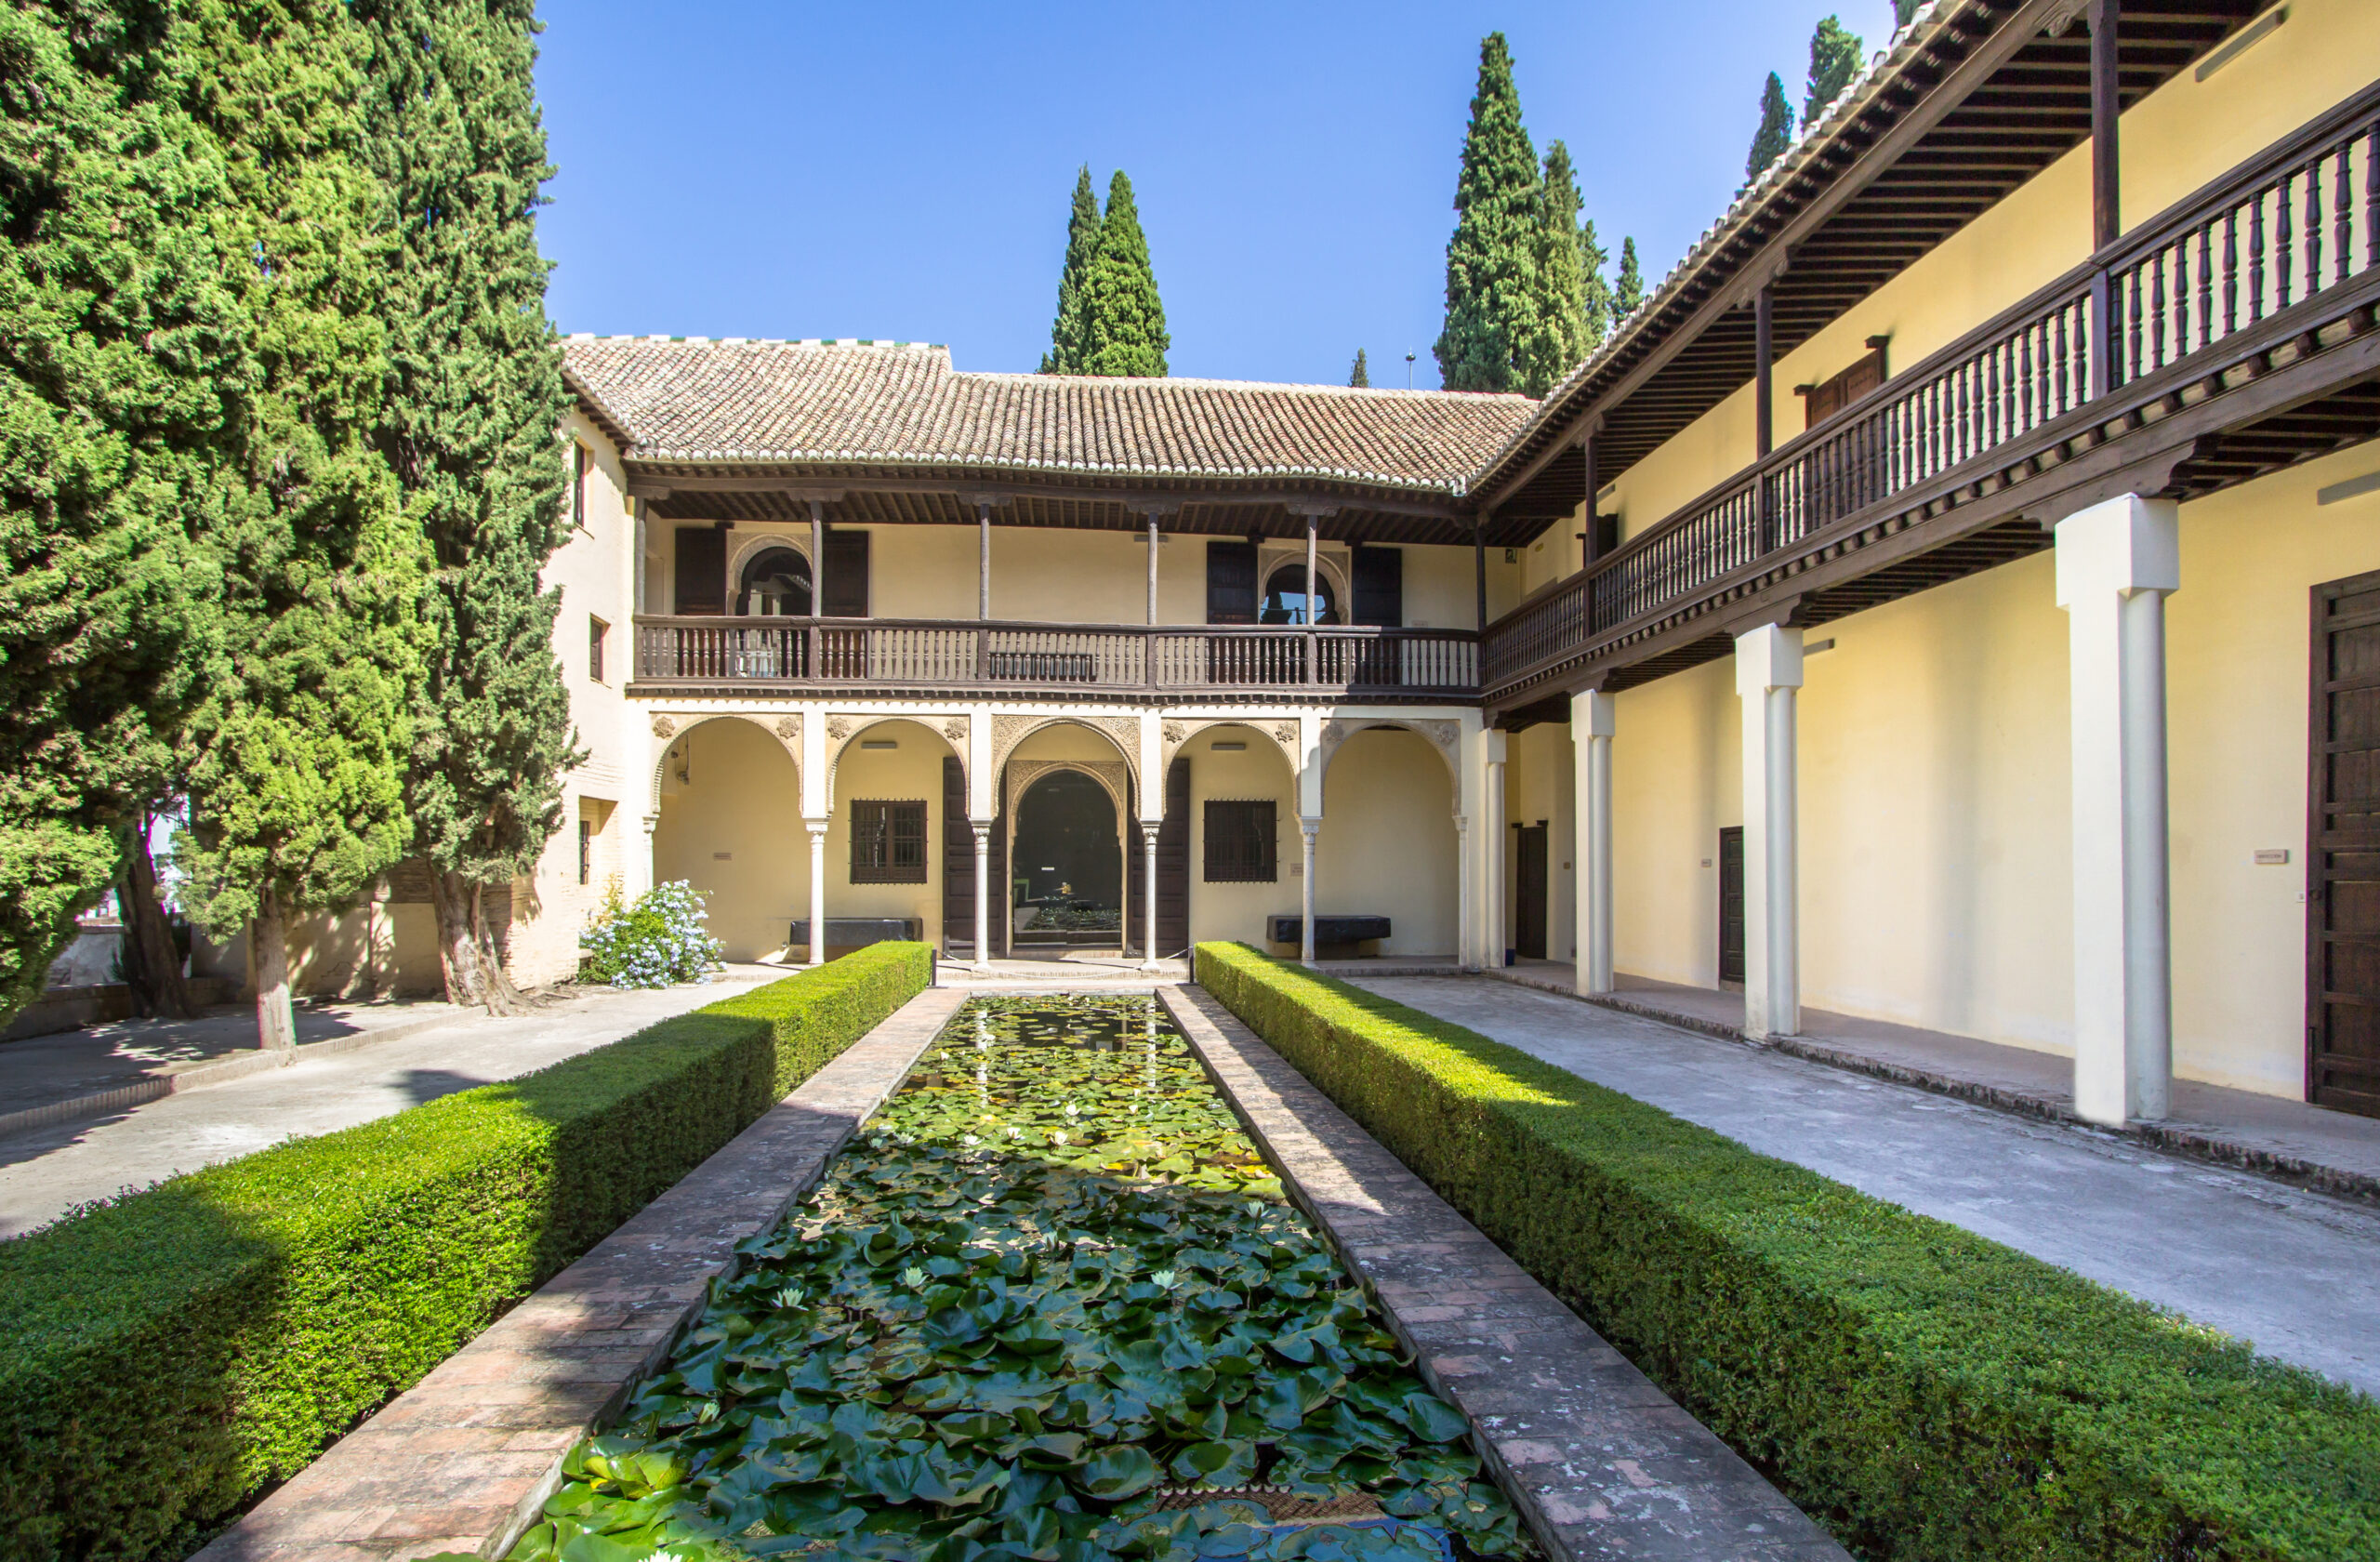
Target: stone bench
column 1330, row 932
column 846, row 934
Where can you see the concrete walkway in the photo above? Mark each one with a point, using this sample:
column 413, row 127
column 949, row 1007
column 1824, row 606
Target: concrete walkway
column 2296, row 1272
column 47, row 1171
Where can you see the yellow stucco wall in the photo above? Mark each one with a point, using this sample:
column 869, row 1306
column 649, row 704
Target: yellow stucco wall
column 1387, row 845
column 1260, row 771
column 1936, row 878
column 2182, row 135
column 731, row 827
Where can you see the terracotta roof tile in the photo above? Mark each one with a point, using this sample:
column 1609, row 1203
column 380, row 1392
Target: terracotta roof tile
column 901, row 404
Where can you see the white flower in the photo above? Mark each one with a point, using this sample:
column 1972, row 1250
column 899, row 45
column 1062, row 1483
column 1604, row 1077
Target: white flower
column 1073, row 1111
column 913, row 1276
column 1164, row 1280
column 969, row 1140
column 1058, row 1136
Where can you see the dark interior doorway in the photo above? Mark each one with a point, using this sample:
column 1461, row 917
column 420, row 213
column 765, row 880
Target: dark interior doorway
column 1069, row 866
column 1529, row 894
column 1731, row 904
column 2342, row 850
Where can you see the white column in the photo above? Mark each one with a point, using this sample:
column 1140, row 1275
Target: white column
column 1494, row 848
column 1308, row 828
column 817, row 890
column 1768, row 671
column 983, row 828
column 644, row 874
column 1148, row 895
column 1591, row 731
column 1462, row 951
column 2116, row 562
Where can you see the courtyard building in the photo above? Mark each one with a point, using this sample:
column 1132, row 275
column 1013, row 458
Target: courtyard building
column 1948, row 600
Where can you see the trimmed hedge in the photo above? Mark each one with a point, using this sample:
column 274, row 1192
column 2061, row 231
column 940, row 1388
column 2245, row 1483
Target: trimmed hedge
column 1923, row 1392
column 165, row 1356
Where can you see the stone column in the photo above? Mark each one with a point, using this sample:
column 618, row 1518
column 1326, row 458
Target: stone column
column 1768, row 671
column 1308, row 828
column 1148, row 895
column 632, row 886
column 1491, row 925
column 2116, row 562
column 983, row 828
column 1462, row 951
column 1590, row 731
column 817, row 890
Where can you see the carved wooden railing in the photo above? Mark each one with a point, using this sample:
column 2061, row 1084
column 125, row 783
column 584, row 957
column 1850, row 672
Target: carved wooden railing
column 2298, row 220
column 942, row 654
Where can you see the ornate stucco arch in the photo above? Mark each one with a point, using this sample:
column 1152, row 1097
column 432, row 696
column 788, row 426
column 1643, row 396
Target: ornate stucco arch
column 669, row 726
column 1282, row 730
column 844, row 728
column 1445, row 734
column 1010, row 729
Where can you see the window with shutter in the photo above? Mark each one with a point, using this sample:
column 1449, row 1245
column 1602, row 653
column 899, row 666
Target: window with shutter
column 1822, row 402
column 701, row 579
column 1242, row 841
column 1231, row 582
column 887, row 842
column 844, row 593
column 1379, row 586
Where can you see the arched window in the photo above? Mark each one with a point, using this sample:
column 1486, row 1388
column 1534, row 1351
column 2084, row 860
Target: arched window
column 776, row 583
column 1285, row 598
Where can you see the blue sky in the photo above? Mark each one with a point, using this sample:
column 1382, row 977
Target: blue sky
column 903, row 171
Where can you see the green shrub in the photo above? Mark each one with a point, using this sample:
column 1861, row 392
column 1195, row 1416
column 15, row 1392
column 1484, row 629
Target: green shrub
column 164, row 1357
column 1923, row 1392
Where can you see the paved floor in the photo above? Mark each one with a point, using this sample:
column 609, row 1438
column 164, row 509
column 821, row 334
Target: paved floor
column 2338, row 1150
column 2296, row 1272
column 44, row 1171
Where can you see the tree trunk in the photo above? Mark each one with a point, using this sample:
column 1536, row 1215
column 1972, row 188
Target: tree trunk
column 465, row 956
column 152, row 967
column 276, row 1022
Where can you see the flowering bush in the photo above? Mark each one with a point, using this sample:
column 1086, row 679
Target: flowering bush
column 657, row 943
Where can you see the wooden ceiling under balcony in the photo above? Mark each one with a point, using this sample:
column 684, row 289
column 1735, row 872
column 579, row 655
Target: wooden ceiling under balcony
column 1986, row 106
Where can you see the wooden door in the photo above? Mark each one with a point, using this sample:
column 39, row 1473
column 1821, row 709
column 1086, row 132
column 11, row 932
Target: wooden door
column 957, row 863
column 1173, row 862
column 700, row 586
column 2342, row 850
column 1529, row 891
column 1731, row 904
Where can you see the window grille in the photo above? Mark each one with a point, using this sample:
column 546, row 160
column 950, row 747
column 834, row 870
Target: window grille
column 585, row 850
column 578, row 485
column 596, row 630
column 1242, row 842
column 889, row 842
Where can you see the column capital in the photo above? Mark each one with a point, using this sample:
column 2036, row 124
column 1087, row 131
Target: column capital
column 2120, row 545
column 1309, row 828
column 818, row 826
column 1590, row 714
column 1768, row 656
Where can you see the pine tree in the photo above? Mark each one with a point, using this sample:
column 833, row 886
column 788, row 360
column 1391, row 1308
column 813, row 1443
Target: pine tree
column 1360, row 377
column 1068, row 334
column 1124, row 319
column 1834, row 60
column 1775, row 132
column 1491, row 286
column 473, row 395
column 118, row 363
column 297, row 751
column 1629, row 290
column 1558, row 337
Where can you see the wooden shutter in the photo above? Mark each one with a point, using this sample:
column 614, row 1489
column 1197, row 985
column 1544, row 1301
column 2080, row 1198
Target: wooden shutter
column 1379, row 586
column 1822, row 402
column 846, row 587
column 1243, row 840
column 1231, row 582
column 701, row 582
column 958, row 862
column 2342, row 850
column 1731, row 904
column 1135, row 874
column 1529, row 899
column 1173, row 862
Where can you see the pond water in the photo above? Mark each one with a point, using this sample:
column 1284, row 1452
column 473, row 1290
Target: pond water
column 1052, row 1304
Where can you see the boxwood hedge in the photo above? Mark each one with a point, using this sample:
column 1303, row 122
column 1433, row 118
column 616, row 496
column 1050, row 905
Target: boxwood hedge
column 166, row 1356
column 1923, row 1392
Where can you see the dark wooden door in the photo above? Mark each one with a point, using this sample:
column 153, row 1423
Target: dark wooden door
column 845, row 593
column 1173, row 862
column 1136, row 894
column 1003, row 896
column 1528, row 897
column 1731, row 904
column 700, row 583
column 2342, row 850
column 957, row 863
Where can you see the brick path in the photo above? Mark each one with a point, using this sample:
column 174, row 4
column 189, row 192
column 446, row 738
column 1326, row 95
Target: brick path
column 1600, row 1462
column 463, row 1461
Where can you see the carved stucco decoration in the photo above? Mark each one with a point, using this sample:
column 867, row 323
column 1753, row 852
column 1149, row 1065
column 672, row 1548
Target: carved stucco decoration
column 785, row 729
column 1110, row 774
column 954, row 731
column 1178, row 733
column 663, row 728
column 844, row 726
column 789, row 729
column 1008, row 731
column 838, row 727
column 1442, row 735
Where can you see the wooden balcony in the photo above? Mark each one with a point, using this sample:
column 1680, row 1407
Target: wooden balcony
column 897, row 656
column 2231, row 334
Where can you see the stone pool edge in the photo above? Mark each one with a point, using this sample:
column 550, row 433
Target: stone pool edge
column 464, row 1460
column 1600, row 1462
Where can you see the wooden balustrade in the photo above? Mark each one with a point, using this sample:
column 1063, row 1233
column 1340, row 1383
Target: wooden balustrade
column 2299, row 220
column 929, row 654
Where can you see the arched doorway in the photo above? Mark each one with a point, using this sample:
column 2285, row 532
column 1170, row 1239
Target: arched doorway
column 1067, row 866
column 775, row 584
column 1285, row 598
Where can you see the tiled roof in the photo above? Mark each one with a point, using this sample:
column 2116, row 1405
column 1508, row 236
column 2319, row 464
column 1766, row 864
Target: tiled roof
column 891, row 404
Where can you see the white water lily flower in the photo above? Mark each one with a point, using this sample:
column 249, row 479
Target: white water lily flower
column 1164, row 1280
column 1073, row 1111
column 913, row 1276
column 1014, row 1133
column 1058, row 1136
column 664, row 1556
column 969, row 1140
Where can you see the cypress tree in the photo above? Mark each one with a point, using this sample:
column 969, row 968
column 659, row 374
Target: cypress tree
column 1775, row 132
column 472, row 396
column 1492, row 300
column 1834, row 60
column 118, row 360
column 1124, row 319
column 1629, row 290
column 1558, row 337
column 1903, row 10
column 1360, row 377
column 1600, row 310
column 1069, row 334
column 298, row 749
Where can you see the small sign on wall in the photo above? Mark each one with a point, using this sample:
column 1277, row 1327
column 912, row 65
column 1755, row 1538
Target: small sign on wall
column 2272, row 857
